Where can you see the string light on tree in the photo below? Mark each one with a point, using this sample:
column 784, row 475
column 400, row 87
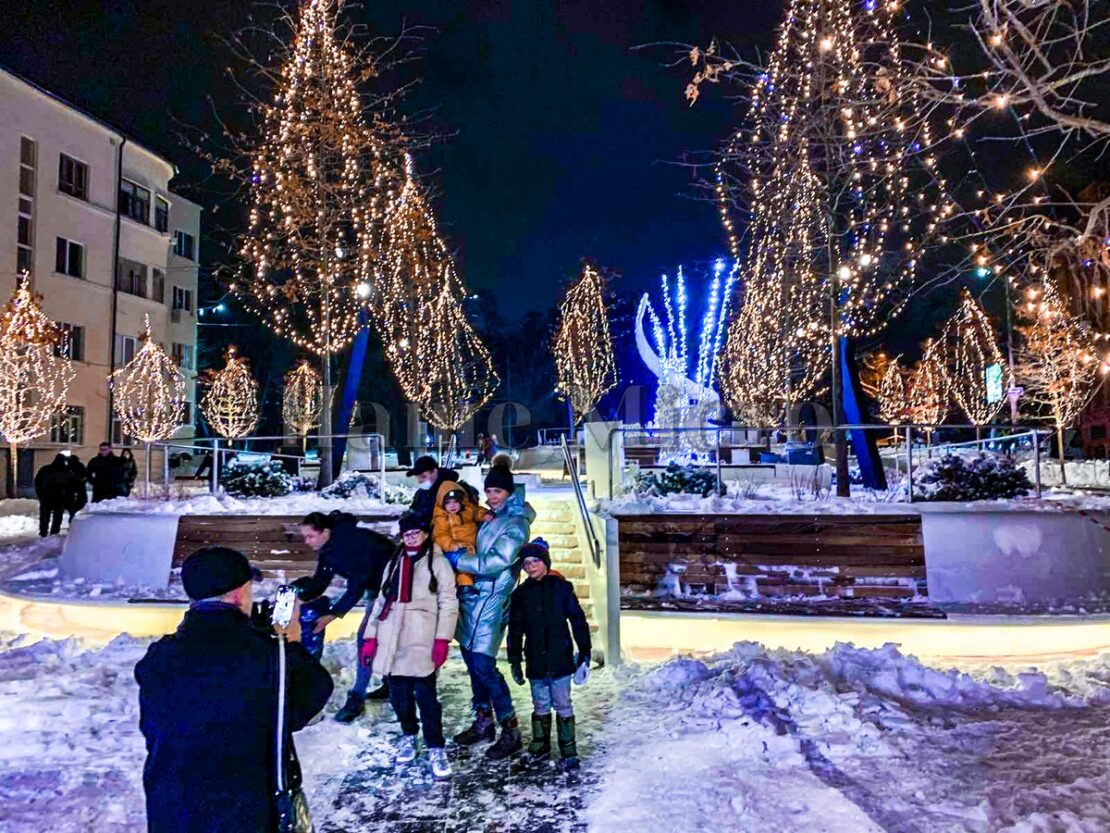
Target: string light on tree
column 973, row 348
column 301, row 400
column 149, row 395
column 930, row 393
column 584, row 359
column 230, row 405
column 35, row 372
column 893, row 394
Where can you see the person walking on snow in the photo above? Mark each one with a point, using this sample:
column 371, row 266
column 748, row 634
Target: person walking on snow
column 484, row 608
column 80, row 497
column 345, row 549
column 407, row 636
column 54, row 487
column 539, row 612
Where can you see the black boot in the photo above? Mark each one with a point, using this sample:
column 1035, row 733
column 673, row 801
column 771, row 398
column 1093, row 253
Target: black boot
column 509, row 743
column 540, row 747
column 379, row 693
column 352, row 709
column 568, row 747
column 482, row 729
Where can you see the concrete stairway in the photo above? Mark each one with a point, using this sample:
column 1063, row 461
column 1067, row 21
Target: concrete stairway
column 555, row 523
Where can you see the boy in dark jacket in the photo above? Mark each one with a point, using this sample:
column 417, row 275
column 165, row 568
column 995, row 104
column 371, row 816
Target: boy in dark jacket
column 539, row 613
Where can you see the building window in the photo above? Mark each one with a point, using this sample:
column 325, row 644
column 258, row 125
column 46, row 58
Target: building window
column 118, row 436
column 183, row 298
column 183, row 355
column 134, row 201
column 131, row 277
column 24, row 249
column 69, row 258
column 73, row 177
column 125, row 349
column 157, row 284
column 68, row 427
column 184, row 245
column 73, row 345
column 161, row 214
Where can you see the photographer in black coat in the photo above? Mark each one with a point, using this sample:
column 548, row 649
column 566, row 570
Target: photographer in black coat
column 345, row 549
column 105, row 472
column 208, row 706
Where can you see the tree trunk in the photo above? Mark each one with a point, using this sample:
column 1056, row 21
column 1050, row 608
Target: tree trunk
column 15, row 469
column 146, row 472
column 327, row 473
column 1060, row 447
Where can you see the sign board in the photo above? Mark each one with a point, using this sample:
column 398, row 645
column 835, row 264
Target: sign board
column 995, row 388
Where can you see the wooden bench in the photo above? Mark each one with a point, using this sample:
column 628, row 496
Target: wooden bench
column 271, row 542
column 772, row 556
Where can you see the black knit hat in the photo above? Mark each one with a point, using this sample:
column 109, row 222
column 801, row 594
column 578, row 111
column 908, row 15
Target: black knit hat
column 536, row 549
column 213, row 571
column 410, row 521
column 422, row 464
column 455, row 494
column 499, row 477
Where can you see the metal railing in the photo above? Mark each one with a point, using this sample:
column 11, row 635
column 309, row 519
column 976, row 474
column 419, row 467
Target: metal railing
column 655, row 437
column 580, row 499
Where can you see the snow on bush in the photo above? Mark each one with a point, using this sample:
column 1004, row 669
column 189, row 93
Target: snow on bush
column 256, row 479
column 981, row 477
column 676, row 479
column 357, row 484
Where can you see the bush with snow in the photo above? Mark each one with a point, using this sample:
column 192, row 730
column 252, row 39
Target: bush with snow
column 357, row 484
column 981, row 477
column 256, row 479
column 675, row 480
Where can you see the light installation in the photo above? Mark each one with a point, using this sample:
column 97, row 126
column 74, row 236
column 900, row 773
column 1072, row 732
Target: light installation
column 230, row 405
column 973, row 350
column 301, row 400
column 584, row 359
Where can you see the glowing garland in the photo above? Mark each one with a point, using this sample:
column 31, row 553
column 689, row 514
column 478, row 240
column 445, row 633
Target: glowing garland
column 893, row 395
column 930, row 391
column 149, row 392
column 973, row 347
column 230, row 406
column 302, row 399
column 34, row 373
column 584, row 359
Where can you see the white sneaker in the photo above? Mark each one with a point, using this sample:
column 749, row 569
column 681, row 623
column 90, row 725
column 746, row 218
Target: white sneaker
column 440, row 766
column 406, row 750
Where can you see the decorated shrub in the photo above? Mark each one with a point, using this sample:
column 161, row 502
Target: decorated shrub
column 255, row 479
column 981, row 477
column 360, row 485
column 676, row 479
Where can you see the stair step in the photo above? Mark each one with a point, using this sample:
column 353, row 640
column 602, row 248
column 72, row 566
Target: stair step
column 569, row 571
column 553, row 528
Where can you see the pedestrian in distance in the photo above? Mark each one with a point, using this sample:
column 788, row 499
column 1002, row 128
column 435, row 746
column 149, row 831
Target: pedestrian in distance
column 105, row 474
column 407, row 636
column 484, row 612
column 544, row 613
column 54, row 487
column 208, row 706
column 344, row 549
column 455, row 526
column 80, row 497
column 130, row 471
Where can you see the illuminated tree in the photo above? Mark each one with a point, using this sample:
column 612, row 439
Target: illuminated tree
column 930, row 393
column 34, row 372
column 1057, row 362
column 584, row 357
column 230, row 405
column 973, row 348
column 316, row 186
column 301, row 401
column 149, row 395
column 893, row 394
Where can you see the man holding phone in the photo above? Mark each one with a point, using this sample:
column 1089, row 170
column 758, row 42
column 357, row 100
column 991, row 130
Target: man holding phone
column 208, row 702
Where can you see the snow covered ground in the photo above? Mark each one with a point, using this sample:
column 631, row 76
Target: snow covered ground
column 849, row 741
column 297, row 503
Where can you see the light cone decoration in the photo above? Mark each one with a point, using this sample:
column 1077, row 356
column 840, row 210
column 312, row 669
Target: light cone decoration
column 230, row 405
column 584, row 359
column 302, row 399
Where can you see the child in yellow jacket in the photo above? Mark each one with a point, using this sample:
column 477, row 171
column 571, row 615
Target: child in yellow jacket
column 455, row 526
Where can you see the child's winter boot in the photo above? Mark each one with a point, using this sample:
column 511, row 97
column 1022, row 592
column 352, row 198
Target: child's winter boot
column 540, row 747
column 568, row 747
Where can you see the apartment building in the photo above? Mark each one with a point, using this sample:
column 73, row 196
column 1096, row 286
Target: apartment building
column 89, row 214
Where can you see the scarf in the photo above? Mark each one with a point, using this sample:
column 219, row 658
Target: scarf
column 399, row 585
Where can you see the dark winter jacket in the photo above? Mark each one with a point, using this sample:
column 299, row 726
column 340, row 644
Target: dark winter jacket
column 539, row 612
column 80, row 494
column 358, row 555
column 425, row 500
column 130, row 471
column 55, row 483
column 107, row 477
column 207, row 708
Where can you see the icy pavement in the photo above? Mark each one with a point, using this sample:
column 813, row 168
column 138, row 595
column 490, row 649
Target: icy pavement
column 848, row 741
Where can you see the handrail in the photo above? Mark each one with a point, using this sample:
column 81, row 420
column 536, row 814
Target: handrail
column 580, row 497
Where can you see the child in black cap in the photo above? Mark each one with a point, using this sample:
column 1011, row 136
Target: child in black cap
column 539, row 613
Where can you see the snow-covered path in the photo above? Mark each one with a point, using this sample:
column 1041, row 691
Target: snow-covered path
column 844, row 742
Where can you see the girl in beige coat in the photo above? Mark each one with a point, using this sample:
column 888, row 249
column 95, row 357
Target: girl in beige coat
column 407, row 635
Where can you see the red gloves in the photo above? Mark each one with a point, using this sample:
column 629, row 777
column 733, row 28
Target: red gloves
column 439, row 652
column 367, row 651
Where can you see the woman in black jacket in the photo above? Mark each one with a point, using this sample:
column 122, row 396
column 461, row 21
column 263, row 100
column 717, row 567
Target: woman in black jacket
column 360, row 556
column 540, row 611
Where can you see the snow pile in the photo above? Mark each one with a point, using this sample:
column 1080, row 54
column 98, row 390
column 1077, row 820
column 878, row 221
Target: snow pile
column 1079, row 472
column 207, row 504
column 760, row 499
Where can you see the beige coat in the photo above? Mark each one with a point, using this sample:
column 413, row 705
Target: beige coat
column 406, row 637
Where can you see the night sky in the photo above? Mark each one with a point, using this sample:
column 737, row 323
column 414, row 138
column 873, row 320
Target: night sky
column 562, row 131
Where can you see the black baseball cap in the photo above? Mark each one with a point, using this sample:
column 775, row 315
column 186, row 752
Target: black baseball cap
column 213, row 571
column 422, row 464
